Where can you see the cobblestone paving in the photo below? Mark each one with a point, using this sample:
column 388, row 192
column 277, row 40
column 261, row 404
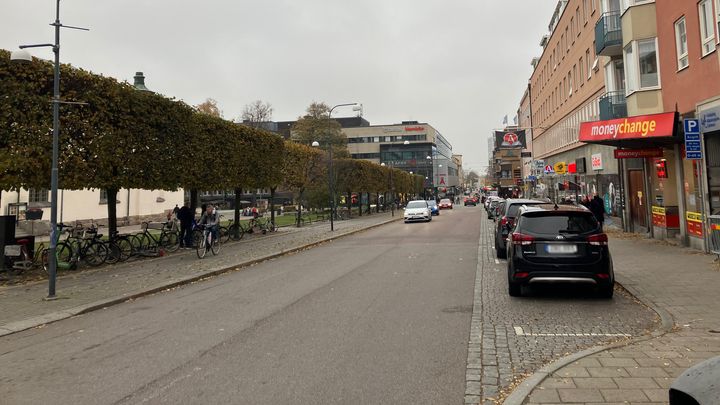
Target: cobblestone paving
column 506, row 353
column 83, row 287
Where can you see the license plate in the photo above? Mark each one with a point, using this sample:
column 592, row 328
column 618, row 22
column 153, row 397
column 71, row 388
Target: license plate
column 561, row 249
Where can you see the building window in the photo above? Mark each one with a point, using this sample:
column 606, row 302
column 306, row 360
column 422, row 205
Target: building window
column 103, row 196
column 641, row 65
column 589, row 66
column 38, row 195
column 681, row 43
column 707, row 30
column 717, row 17
column 580, row 76
column 570, row 84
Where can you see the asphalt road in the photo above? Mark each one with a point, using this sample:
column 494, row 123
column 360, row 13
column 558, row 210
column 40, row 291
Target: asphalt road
column 379, row 317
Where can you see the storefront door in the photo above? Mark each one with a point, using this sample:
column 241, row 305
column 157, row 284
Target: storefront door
column 638, row 210
column 712, row 150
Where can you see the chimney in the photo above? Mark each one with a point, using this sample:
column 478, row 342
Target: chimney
column 140, row 82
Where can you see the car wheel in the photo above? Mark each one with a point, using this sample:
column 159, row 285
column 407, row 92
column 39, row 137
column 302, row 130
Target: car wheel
column 514, row 289
column 606, row 291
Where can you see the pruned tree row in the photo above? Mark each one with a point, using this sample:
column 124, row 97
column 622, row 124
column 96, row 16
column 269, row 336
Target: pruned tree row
column 123, row 138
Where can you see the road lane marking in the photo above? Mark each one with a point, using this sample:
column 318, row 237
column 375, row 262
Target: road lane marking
column 520, row 332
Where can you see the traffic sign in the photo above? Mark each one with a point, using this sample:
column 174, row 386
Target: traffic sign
column 549, row 169
column 693, row 146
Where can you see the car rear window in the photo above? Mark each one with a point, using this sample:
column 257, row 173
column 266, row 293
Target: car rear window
column 417, row 204
column 514, row 208
column 551, row 223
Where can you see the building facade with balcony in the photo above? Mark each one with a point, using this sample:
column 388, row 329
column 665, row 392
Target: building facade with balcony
column 566, row 89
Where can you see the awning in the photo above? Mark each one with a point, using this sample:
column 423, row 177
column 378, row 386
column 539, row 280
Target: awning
column 640, row 131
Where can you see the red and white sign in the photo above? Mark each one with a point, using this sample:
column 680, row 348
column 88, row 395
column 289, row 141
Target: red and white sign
column 596, row 161
column 638, row 127
column 638, row 153
column 414, row 129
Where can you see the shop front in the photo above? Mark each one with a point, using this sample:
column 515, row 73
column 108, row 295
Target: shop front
column 652, row 169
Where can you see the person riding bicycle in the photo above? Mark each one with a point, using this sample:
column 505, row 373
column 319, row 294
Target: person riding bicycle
column 211, row 220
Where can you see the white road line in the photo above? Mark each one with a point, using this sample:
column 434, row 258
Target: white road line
column 520, row 332
column 497, row 261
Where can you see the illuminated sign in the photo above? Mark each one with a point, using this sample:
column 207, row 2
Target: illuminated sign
column 638, row 127
column 414, row 129
column 596, row 161
column 661, row 169
column 560, row 168
column 637, row 153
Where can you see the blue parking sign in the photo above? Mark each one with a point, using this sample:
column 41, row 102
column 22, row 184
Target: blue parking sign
column 693, row 146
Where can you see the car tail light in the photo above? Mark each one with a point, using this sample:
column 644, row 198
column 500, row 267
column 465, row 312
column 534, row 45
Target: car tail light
column 521, row 275
column 522, row 239
column 600, row 239
column 503, row 221
column 603, row 276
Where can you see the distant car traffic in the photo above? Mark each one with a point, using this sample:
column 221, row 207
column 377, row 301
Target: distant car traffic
column 506, row 221
column 417, row 210
column 551, row 243
column 445, row 203
column 434, row 209
column 470, row 201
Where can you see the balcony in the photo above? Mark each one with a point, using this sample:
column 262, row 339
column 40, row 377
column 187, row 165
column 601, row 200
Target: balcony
column 608, row 35
column 613, row 105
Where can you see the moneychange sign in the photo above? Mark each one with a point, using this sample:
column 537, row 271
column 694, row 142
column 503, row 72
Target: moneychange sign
column 638, row 127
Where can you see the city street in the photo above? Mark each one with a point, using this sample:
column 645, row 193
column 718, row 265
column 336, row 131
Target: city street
column 378, row 317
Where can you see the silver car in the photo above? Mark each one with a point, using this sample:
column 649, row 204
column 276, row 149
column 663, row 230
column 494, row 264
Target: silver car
column 418, row 210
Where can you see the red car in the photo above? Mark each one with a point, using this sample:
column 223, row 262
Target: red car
column 445, row 203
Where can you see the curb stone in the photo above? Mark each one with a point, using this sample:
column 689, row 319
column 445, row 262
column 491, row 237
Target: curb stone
column 19, row 326
column 521, row 393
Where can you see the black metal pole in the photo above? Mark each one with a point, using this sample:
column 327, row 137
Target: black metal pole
column 52, row 257
column 331, row 189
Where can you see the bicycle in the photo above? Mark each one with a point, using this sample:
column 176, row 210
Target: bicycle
column 120, row 248
column 207, row 243
column 168, row 239
column 90, row 249
column 234, row 231
column 18, row 257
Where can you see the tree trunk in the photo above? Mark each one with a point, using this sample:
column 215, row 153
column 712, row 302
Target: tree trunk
column 236, row 203
column 272, row 204
column 193, row 200
column 112, row 210
column 369, row 197
column 360, row 205
column 299, row 207
column 349, row 204
column 377, row 202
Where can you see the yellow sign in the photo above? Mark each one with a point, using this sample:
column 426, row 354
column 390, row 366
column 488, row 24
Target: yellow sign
column 560, row 168
column 693, row 216
column 658, row 210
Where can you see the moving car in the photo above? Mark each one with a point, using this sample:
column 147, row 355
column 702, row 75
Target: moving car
column 445, row 203
column 470, row 201
column 506, row 220
column 434, row 209
column 552, row 243
column 418, row 210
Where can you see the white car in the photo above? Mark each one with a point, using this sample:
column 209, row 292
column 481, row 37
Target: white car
column 418, row 210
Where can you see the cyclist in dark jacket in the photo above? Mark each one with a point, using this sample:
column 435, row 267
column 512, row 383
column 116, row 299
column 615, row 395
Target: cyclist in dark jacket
column 186, row 217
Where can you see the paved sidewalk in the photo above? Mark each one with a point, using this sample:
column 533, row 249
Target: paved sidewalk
column 684, row 283
column 24, row 305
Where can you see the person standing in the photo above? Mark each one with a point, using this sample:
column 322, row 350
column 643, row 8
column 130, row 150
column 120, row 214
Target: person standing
column 186, row 217
column 597, row 207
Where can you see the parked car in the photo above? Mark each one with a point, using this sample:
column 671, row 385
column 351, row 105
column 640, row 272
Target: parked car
column 551, row 243
column 417, row 210
column 492, row 209
column 445, row 203
column 489, row 200
column 698, row 385
column 470, row 201
column 434, row 209
column 506, row 220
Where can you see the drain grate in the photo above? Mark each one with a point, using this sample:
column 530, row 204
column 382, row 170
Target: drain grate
column 520, row 332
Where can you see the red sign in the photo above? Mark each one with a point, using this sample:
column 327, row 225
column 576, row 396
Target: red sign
column 510, row 138
column 638, row 127
column 572, row 168
column 414, row 129
column 637, row 153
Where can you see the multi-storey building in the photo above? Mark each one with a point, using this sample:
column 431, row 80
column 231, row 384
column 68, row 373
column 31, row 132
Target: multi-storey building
column 565, row 90
column 656, row 65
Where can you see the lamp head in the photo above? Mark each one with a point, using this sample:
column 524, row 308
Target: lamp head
column 315, row 144
column 406, row 143
column 21, row 56
column 428, row 158
column 382, row 164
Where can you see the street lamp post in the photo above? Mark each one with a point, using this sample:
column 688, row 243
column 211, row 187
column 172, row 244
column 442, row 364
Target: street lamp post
column 24, row 56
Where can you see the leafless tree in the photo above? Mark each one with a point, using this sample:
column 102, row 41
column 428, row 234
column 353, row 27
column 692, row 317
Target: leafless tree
column 256, row 113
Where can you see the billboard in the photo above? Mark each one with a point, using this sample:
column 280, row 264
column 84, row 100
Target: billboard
column 510, row 139
column 638, row 127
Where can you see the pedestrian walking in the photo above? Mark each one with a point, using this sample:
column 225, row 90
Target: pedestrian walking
column 175, row 211
column 597, row 207
column 255, row 212
column 186, row 217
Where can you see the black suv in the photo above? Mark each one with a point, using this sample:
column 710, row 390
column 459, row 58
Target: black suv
column 505, row 220
column 552, row 243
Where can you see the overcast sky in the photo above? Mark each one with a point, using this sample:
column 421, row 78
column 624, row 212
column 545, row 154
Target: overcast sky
column 460, row 65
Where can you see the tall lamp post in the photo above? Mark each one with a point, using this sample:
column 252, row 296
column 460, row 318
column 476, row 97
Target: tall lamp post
column 24, row 56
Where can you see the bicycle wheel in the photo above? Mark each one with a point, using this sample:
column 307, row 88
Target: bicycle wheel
column 224, row 234
column 126, row 248
column 170, row 241
column 64, row 253
column 236, row 232
column 272, row 227
column 135, row 244
column 44, row 257
column 201, row 248
column 215, row 246
column 95, row 253
column 113, row 252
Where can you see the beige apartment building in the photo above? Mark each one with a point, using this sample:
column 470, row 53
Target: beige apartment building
column 566, row 88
